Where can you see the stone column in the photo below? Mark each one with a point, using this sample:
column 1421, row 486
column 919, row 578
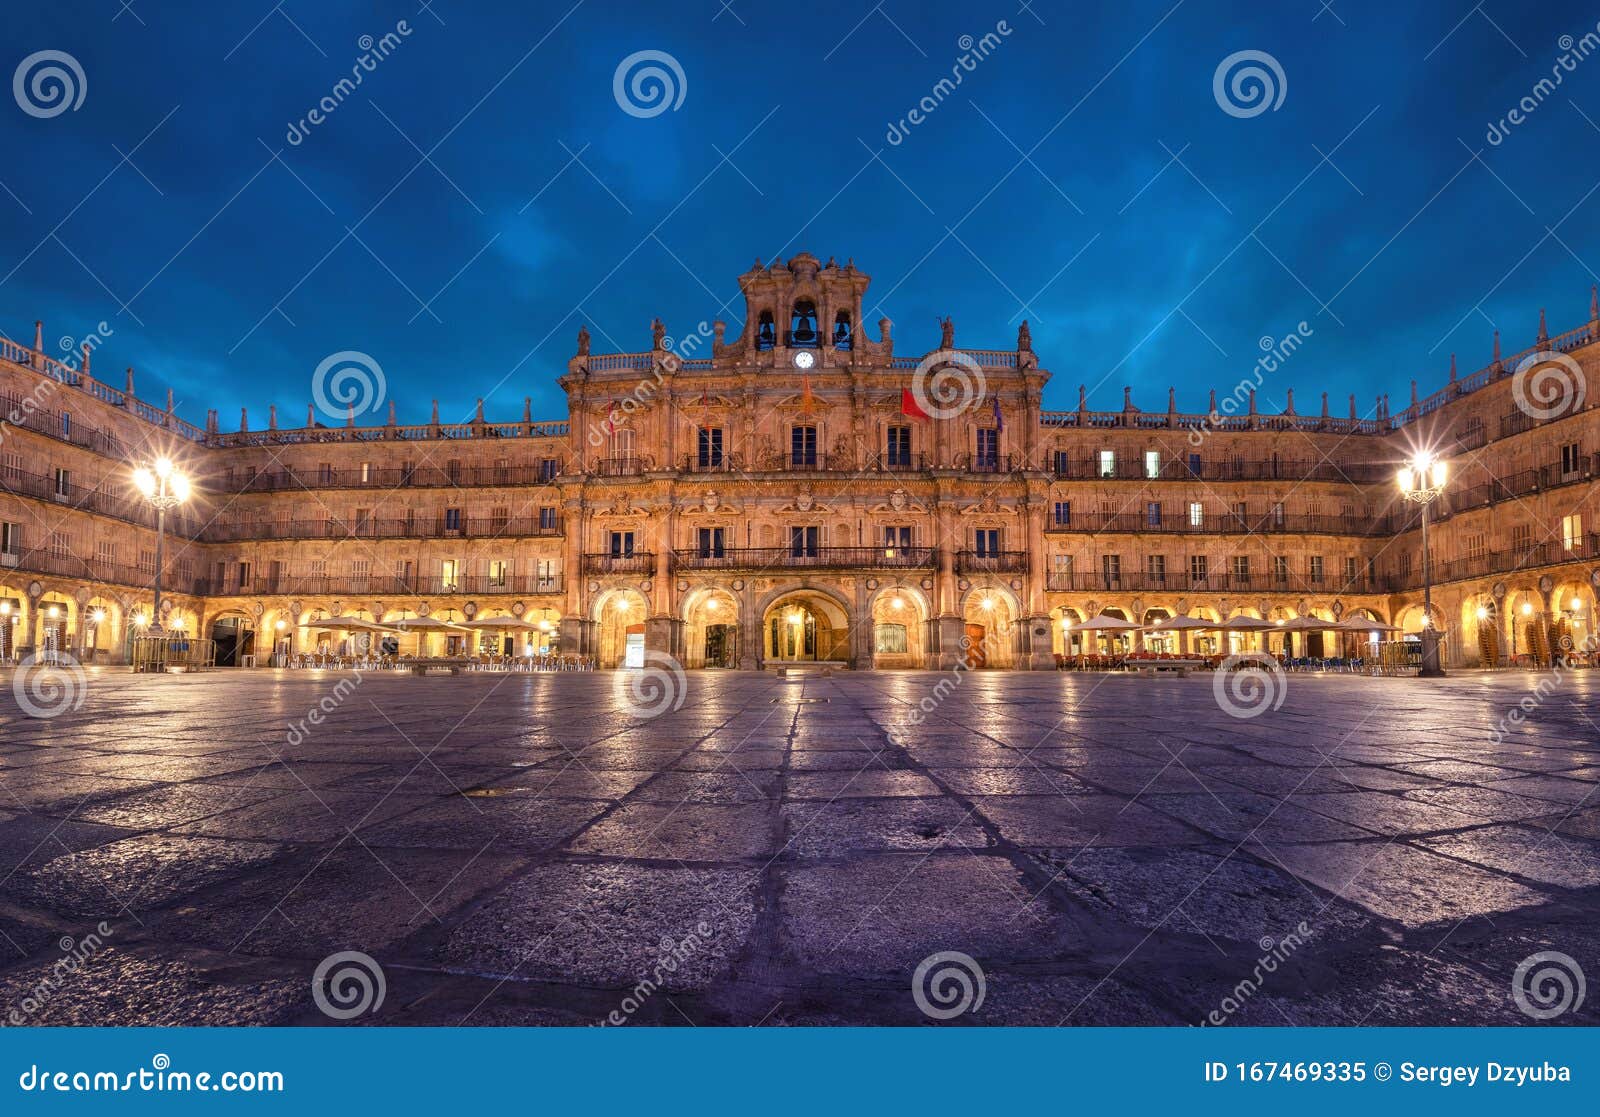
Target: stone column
column 750, row 634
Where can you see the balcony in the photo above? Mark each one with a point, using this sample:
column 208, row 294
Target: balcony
column 1145, row 581
column 635, row 562
column 383, row 479
column 626, row 465
column 1176, row 523
column 787, row 558
column 416, row 527
column 1132, row 468
column 990, row 463
column 992, row 562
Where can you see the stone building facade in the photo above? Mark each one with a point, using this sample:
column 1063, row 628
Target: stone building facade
column 803, row 491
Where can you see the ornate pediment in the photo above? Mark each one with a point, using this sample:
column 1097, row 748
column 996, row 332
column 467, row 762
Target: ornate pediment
column 899, row 501
column 622, row 506
column 709, row 503
column 989, row 506
column 805, row 503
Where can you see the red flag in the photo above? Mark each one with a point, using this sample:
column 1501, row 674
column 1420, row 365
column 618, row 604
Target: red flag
column 808, row 402
column 611, row 418
column 908, row 405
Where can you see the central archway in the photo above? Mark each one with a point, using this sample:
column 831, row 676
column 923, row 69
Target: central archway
column 619, row 614
column 806, row 626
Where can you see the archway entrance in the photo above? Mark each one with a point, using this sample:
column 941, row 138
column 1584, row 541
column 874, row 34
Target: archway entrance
column 235, row 638
column 806, row 627
column 990, row 625
column 621, row 614
column 711, row 618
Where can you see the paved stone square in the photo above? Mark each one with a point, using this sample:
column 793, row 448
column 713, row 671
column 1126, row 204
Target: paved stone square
column 516, row 849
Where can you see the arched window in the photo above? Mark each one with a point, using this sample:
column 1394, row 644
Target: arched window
column 841, row 330
column 803, row 325
column 891, row 639
column 766, row 333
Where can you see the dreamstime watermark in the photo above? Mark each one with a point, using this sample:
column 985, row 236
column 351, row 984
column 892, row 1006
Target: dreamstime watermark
column 299, row 731
column 676, row 352
column 158, row 1077
column 672, row 955
column 947, row 984
column 1249, row 82
column 973, row 51
column 657, row 688
column 347, row 984
column 49, row 82
column 348, row 383
column 74, row 956
column 1548, row 385
column 73, row 350
column 649, row 82
column 1274, row 353
column 1548, row 984
column 373, row 51
column 1573, row 51
column 1545, row 687
column 49, row 684
column 948, row 382
column 1249, row 684
column 1273, row 955
column 946, row 686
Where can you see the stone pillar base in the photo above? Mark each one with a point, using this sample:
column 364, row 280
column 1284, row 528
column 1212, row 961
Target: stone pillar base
column 577, row 637
column 1036, row 653
column 945, row 644
column 664, row 635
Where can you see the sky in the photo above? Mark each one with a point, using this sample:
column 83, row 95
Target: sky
column 486, row 190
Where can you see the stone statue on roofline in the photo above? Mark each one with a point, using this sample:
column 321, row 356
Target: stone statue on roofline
column 947, row 333
column 583, row 341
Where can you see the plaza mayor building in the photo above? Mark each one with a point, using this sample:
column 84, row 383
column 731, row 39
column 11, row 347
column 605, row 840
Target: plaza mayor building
column 809, row 487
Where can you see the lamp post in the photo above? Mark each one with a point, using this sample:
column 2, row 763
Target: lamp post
column 163, row 487
column 1421, row 482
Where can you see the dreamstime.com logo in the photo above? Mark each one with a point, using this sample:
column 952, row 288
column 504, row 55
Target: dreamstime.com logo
column 1249, row 684
column 1249, row 82
column 49, row 82
column 948, row 382
column 1548, row 984
column 50, row 688
column 947, row 984
column 658, row 688
column 347, row 984
column 1548, row 385
column 649, row 82
column 348, row 383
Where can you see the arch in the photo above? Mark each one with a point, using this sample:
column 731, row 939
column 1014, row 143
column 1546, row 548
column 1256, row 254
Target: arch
column 990, row 615
column 1158, row 641
column 1062, row 640
column 806, row 624
column 619, row 613
column 899, row 617
column 712, row 629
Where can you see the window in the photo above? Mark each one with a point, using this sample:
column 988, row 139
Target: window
column 319, row 568
column 449, row 573
column 1571, row 459
column 60, row 544
column 1197, row 568
column 803, row 542
column 452, row 519
column 709, row 447
column 1197, row 514
column 360, row 572
column 1063, row 463
column 1242, row 514
column 803, row 446
column 1063, row 513
column 621, row 544
column 1108, row 463
column 1111, row 570
column 1352, row 570
column 547, row 518
column 896, row 539
column 987, row 540
column 988, row 455
column 548, row 574
column 711, row 543
column 13, row 465
column 1194, row 465
column 1571, row 532
column 1062, row 564
column 325, row 473
column 1477, row 545
column 1521, row 538
column 899, row 446
column 1152, row 463
column 1316, row 568
column 147, row 562
column 10, row 538
column 1155, row 566
column 1280, row 568
column 366, row 473
column 498, row 569
column 1241, row 568
column 363, row 522
column 891, row 639
column 1277, row 515
column 1152, row 514
column 499, row 518
column 63, row 483
column 548, row 468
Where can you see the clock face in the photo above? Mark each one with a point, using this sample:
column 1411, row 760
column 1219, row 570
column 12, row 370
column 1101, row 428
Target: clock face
column 803, row 359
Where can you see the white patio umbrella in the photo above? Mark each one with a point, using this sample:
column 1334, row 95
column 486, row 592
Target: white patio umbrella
column 501, row 623
column 424, row 625
column 1363, row 624
column 1104, row 623
column 1182, row 626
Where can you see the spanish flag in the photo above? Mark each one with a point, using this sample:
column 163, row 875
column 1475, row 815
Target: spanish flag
column 908, row 405
column 808, row 402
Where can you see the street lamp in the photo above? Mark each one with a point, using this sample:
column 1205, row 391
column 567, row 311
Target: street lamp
column 163, row 487
column 1421, row 482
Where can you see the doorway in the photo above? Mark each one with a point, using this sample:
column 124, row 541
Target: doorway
column 977, row 651
column 722, row 642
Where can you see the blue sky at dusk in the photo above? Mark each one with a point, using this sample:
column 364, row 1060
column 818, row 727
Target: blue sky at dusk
column 1083, row 176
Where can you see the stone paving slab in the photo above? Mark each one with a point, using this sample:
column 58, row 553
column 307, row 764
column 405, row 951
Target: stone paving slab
column 519, row 850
